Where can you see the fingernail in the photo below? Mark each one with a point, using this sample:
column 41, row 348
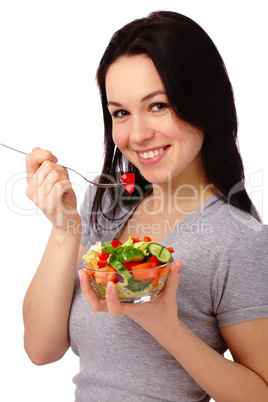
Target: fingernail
column 178, row 266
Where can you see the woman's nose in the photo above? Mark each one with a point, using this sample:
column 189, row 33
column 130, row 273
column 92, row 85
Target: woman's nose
column 141, row 130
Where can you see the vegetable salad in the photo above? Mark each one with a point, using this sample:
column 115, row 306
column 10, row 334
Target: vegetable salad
column 137, row 267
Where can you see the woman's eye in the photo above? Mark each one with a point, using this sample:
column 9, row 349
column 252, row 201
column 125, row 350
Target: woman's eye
column 156, row 107
column 120, row 114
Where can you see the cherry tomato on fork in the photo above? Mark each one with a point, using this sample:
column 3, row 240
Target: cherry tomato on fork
column 129, row 179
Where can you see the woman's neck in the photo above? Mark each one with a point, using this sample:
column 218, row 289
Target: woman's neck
column 180, row 196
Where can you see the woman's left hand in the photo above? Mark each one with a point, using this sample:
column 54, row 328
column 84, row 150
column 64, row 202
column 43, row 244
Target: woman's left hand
column 157, row 316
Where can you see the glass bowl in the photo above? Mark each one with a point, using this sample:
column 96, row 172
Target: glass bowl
column 140, row 286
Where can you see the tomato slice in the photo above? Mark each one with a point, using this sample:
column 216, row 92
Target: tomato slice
column 143, row 271
column 91, row 266
column 130, row 264
column 145, row 265
column 129, row 180
column 104, row 275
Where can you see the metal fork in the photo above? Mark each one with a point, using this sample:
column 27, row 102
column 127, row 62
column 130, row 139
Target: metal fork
column 103, row 185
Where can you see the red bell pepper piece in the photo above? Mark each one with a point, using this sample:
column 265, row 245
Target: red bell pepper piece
column 146, row 238
column 116, row 243
column 101, row 263
column 104, row 256
column 170, row 249
column 135, row 240
column 154, row 258
column 129, row 180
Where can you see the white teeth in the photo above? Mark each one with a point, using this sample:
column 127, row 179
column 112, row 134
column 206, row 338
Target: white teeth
column 151, row 154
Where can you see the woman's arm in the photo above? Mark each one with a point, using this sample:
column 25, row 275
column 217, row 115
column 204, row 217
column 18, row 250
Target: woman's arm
column 48, row 299
column 245, row 379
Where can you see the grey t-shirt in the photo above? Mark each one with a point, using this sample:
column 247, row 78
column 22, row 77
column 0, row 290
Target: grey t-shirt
column 224, row 280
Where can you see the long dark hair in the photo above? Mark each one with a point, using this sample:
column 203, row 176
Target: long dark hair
column 199, row 91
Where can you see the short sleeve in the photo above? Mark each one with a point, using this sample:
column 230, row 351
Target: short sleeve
column 240, row 287
column 85, row 212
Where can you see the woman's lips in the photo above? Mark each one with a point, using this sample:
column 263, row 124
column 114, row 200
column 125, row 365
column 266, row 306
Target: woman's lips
column 152, row 156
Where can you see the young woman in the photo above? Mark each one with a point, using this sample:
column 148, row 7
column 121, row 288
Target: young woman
column 170, row 118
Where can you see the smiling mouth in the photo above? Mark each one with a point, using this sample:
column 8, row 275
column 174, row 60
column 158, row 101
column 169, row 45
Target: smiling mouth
column 152, row 154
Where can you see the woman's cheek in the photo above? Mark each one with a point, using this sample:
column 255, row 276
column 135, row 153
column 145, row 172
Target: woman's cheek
column 119, row 138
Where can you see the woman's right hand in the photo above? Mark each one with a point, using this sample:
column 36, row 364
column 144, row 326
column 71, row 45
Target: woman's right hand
column 50, row 189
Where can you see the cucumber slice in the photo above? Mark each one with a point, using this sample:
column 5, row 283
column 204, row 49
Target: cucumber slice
column 161, row 252
column 101, row 289
column 122, row 270
column 132, row 284
column 131, row 255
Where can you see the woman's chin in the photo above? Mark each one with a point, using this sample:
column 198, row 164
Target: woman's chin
column 159, row 179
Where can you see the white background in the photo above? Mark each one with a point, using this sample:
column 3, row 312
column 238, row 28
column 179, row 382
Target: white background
column 48, row 97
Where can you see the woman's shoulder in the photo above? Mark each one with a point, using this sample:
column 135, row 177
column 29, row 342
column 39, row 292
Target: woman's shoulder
column 233, row 220
column 219, row 227
column 237, row 236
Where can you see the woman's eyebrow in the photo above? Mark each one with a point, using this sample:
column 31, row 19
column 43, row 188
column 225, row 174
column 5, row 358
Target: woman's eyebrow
column 152, row 95
column 145, row 98
column 112, row 103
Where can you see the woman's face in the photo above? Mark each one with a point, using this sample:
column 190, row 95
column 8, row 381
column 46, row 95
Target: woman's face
column 145, row 128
